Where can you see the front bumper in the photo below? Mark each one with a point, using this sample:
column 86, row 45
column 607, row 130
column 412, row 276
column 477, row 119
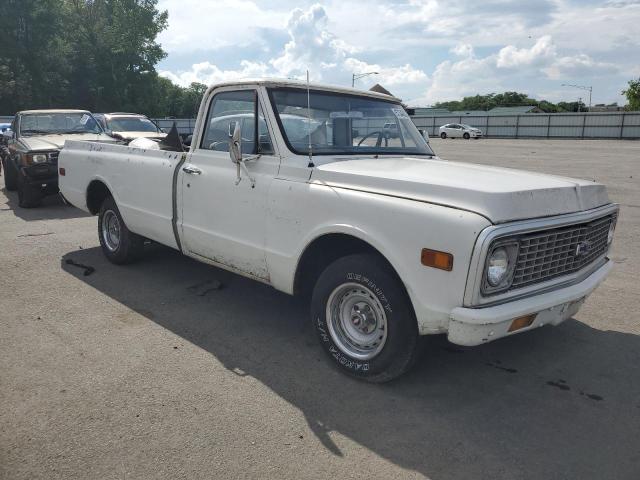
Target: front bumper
column 44, row 175
column 474, row 326
column 40, row 173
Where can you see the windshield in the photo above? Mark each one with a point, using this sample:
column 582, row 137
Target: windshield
column 131, row 124
column 345, row 124
column 58, row 123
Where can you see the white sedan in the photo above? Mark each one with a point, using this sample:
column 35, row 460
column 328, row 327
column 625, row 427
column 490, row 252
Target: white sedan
column 454, row 130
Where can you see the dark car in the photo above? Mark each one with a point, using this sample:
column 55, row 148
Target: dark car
column 31, row 157
column 129, row 126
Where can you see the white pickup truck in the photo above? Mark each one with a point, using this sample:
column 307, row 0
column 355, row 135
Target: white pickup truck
column 301, row 187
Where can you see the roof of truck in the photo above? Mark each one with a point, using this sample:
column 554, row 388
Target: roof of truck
column 285, row 82
column 53, row 110
column 121, row 114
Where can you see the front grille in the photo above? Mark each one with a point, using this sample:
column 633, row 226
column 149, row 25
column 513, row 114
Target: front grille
column 53, row 157
column 560, row 251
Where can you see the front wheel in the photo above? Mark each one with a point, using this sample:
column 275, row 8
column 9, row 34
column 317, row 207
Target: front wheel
column 466, row 136
column 10, row 178
column 29, row 196
column 364, row 320
column 443, row 135
column 119, row 244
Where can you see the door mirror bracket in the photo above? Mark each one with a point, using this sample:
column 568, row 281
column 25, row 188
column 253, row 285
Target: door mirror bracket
column 235, row 152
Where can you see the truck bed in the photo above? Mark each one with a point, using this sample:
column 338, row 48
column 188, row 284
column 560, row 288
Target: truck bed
column 141, row 182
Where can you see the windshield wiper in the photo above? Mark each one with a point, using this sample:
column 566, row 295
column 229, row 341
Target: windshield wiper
column 35, row 132
column 71, row 132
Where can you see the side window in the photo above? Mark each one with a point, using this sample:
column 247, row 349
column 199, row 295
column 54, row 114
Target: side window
column 225, row 111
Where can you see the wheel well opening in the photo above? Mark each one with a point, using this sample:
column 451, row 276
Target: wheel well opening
column 97, row 192
column 321, row 253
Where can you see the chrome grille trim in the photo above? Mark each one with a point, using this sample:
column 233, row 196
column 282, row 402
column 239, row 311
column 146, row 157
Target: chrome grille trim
column 53, row 157
column 552, row 253
column 473, row 294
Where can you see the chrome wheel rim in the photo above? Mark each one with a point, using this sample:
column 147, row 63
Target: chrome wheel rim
column 111, row 230
column 356, row 321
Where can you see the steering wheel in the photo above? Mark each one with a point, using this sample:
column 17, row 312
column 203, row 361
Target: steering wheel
column 214, row 145
column 380, row 134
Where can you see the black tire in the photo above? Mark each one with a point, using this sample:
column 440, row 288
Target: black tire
column 466, row 136
column 443, row 135
column 129, row 246
column 368, row 273
column 10, row 178
column 29, row 196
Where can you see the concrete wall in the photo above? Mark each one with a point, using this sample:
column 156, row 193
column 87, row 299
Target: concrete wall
column 544, row 125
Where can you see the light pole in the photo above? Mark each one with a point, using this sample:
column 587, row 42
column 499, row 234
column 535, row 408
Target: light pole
column 356, row 76
column 581, row 87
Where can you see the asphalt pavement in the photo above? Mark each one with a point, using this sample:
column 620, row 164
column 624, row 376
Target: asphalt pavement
column 171, row 369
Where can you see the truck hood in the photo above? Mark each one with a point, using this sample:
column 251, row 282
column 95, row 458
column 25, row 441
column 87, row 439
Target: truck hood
column 56, row 142
column 134, row 135
column 499, row 194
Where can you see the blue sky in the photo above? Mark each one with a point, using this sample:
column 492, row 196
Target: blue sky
column 424, row 50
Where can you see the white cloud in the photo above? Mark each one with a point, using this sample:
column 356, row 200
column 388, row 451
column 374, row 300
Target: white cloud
column 311, row 46
column 428, row 50
column 197, row 25
column 578, row 66
column 463, row 50
column 208, row 73
column 453, row 80
column 540, row 52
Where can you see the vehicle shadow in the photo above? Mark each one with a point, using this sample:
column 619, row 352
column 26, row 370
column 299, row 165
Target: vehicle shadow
column 561, row 402
column 52, row 207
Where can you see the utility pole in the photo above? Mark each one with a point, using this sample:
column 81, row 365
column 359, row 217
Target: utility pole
column 356, row 76
column 581, row 87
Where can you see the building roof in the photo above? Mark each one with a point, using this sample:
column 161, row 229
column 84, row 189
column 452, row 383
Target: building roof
column 380, row 89
column 466, row 113
column 514, row 110
column 430, row 111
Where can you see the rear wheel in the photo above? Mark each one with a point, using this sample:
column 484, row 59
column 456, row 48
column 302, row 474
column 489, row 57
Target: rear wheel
column 364, row 320
column 466, row 136
column 443, row 135
column 119, row 244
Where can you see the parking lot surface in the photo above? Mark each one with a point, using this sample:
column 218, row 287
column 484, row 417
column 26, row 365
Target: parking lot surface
column 151, row 371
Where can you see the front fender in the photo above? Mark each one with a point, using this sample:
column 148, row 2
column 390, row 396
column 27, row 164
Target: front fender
column 397, row 228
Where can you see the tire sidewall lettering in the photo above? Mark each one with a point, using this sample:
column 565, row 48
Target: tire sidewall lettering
column 357, row 277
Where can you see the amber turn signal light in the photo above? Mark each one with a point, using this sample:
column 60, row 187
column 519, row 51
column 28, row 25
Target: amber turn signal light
column 62, row 171
column 436, row 259
column 522, row 322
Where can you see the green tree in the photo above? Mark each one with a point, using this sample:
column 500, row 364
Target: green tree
column 94, row 54
column 632, row 92
column 191, row 98
column 33, row 66
column 114, row 51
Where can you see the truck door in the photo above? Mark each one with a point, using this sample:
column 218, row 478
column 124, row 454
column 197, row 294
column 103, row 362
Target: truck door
column 224, row 221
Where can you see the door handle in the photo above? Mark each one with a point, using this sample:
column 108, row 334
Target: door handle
column 191, row 170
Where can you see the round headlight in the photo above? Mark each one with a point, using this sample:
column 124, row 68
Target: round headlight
column 498, row 266
column 39, row 158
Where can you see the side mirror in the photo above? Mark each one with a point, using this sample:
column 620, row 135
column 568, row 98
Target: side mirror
column 235, row 144
column 425, row 135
